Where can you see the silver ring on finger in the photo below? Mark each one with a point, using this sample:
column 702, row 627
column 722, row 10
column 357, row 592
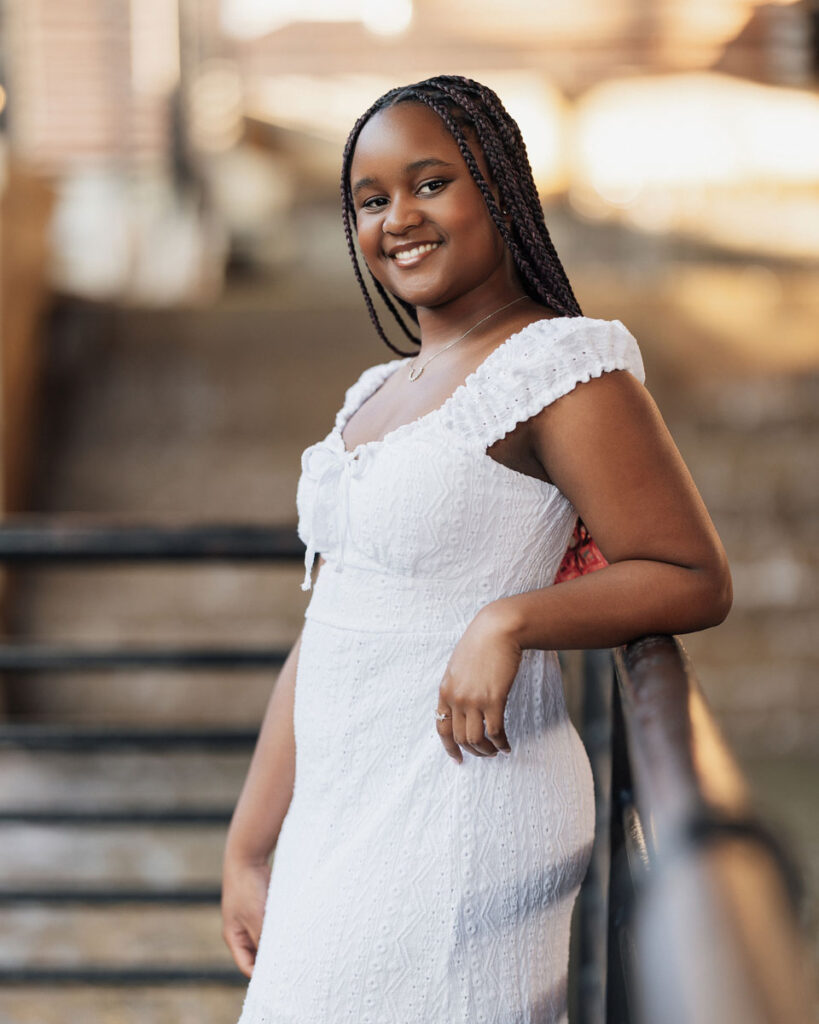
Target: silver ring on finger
column 441, row 716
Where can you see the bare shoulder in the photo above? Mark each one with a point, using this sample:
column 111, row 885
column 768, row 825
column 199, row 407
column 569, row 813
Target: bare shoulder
column 609, row 415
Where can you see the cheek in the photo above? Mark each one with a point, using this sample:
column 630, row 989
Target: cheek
column 369, row 237
column 480, row 238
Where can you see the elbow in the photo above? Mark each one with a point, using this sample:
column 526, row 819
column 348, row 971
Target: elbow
column 718, row 594
column 724, row 600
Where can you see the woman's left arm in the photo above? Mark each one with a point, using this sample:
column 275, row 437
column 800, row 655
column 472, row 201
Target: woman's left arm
column 606, row 447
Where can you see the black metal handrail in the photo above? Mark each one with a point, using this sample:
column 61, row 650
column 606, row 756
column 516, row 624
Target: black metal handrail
column 703, row 896
column 90, row 974
column 23, row 657
column 110, row 895
column 158, row 816
column 81, row 539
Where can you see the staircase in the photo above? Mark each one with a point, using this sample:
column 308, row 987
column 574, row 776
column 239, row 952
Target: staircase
column 141, row 659
column 114, row 834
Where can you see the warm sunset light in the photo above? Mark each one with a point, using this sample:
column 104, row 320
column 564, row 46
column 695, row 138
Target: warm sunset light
column 246, row 19
column 328, row 106
column 733, row 161
column 325, row 106
column 543, row 115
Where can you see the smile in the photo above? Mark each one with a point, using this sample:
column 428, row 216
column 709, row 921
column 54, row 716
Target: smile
column 410, row 257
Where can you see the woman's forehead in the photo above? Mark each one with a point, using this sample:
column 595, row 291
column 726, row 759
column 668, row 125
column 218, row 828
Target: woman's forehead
column 404, row 132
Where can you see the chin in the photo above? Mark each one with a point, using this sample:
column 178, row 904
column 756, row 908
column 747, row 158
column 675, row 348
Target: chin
column 425, row 297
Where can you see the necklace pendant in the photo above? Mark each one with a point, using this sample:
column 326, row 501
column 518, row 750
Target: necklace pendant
column 413, row 375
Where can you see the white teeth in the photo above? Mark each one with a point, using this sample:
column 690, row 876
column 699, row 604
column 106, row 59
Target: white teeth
column 410, row 254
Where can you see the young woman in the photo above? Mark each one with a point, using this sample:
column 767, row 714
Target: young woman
column 429, row 801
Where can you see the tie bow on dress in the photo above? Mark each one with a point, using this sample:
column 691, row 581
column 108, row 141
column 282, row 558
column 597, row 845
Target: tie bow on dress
column 330, row 467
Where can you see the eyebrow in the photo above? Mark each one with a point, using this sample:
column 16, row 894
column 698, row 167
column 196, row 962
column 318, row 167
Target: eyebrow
column 416, row 165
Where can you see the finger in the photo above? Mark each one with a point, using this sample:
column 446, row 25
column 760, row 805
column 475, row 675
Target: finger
column 478, row 741
column 254, row 920
column 493, row 726
column 444, row 728
column 459, row 728
column 254, row 931
column 459, row 732
column 243, row 951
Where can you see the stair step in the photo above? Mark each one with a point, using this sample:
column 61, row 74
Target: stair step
column 92, row 779
column 84, row 856
column 104, row 941
column 138, row 1003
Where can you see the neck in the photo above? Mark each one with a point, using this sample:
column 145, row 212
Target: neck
column 441, row 324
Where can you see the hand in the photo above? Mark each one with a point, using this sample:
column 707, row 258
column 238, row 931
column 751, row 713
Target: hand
column 244, row 892
column 476, row 683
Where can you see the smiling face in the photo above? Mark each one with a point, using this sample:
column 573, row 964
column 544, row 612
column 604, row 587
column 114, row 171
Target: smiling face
column 423, row 226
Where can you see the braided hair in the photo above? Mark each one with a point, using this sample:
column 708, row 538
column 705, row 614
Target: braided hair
column 468, row 108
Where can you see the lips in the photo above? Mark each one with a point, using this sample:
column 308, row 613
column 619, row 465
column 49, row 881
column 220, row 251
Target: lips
column 412, row 253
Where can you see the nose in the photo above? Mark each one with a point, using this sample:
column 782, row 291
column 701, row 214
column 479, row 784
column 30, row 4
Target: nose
column 403, row 214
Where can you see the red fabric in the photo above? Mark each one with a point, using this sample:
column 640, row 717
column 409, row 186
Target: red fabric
column 582, row 555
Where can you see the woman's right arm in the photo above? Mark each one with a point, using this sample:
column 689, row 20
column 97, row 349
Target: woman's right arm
column 257, row 819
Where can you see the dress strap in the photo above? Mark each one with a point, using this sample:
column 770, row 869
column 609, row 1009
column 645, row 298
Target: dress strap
column 535, row 367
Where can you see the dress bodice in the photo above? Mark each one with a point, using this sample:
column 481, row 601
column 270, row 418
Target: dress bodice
column 425, row 505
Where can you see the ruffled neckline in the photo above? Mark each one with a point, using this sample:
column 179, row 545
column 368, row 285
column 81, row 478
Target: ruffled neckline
column 374, row 381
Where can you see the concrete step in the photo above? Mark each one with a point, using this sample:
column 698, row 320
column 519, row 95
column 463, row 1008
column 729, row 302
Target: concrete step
column 123, row 936
column 134, row 855
column 90, row 855
column 35, row 778
column 195, row 1004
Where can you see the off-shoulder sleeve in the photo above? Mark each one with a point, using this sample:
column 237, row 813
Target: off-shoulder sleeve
column 534, row 368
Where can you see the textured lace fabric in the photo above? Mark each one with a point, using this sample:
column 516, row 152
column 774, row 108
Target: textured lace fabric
column 407, row 889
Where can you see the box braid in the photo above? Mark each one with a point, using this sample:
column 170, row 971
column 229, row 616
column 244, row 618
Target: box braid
column 468, row 108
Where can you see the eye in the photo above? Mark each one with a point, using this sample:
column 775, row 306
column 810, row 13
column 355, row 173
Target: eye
column 434, row 186
column 374, row 203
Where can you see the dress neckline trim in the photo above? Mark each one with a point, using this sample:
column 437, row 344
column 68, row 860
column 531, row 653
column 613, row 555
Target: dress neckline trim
column 394, row 365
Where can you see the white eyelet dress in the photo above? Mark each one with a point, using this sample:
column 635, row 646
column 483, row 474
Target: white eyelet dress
column 408, row 889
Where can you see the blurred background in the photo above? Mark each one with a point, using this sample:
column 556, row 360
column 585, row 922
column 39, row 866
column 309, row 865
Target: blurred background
column 179, row 320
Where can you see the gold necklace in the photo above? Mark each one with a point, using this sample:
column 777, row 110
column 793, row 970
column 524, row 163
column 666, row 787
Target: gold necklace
column 413, row 376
